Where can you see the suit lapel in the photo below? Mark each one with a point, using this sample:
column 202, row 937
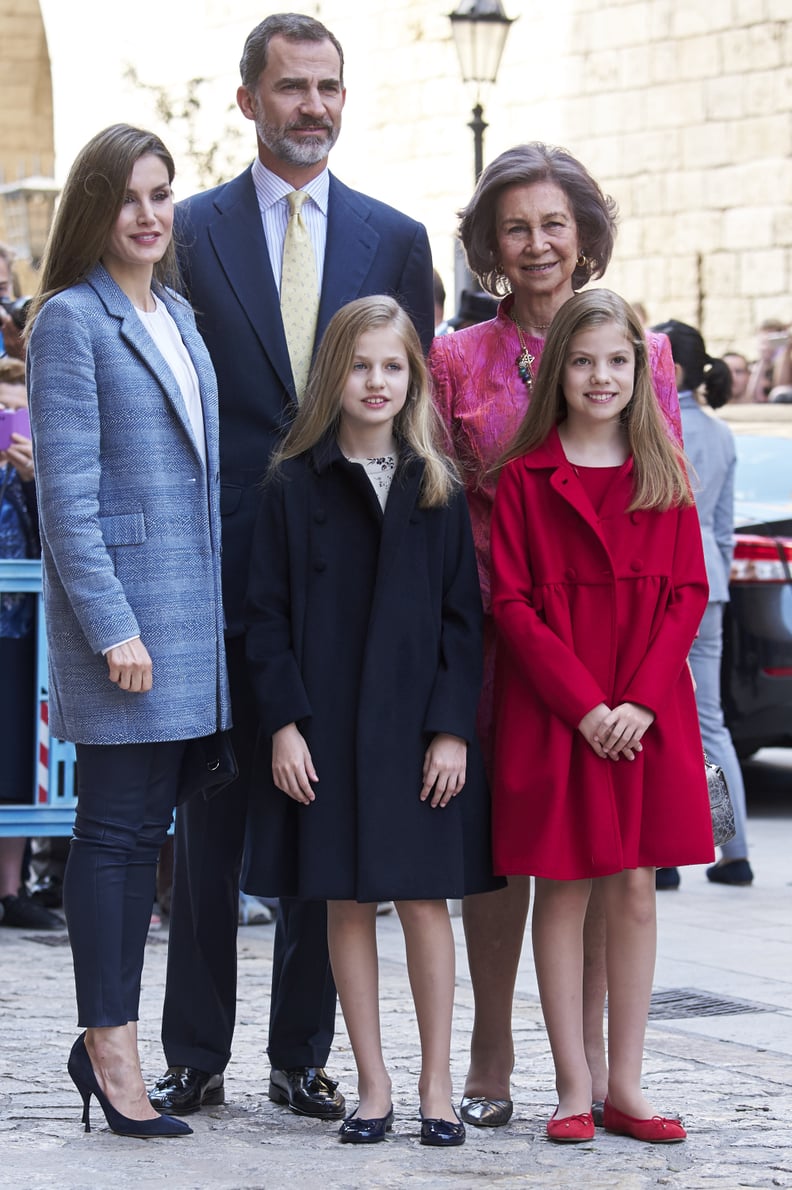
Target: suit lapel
column 237, row 236
column 207, row 383
column 352, row 244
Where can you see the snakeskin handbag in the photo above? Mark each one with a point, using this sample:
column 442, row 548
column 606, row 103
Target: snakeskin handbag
column 723, row 827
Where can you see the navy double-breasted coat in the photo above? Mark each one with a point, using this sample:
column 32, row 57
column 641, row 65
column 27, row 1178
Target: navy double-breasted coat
column 365, row 630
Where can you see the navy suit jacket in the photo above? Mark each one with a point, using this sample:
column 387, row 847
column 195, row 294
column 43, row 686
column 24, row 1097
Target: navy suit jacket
column 371, row 248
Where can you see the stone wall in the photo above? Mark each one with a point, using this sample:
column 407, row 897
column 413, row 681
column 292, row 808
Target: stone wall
column 26, row 125
column 681, row 108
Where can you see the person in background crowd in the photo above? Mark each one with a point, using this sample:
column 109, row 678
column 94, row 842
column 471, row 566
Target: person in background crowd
column 18, row 539
column 641, row 313
column 709, row 445
column 123, row 406
column 11, row 339
column 439, row 301
column 537, row 229
column 740, row 374
column 474, row 307
column 268, row 258
column 6, row 288
column 772, row 339
column 782, row 369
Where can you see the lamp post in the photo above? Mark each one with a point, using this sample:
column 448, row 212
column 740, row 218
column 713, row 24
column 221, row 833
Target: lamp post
column 480, row 29
column 28, row 207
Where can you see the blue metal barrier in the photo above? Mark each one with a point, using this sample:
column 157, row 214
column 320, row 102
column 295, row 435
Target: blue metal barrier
column 52, row 793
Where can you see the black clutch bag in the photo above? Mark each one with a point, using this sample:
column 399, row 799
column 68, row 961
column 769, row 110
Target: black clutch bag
column 721, row 808
column 209, row 764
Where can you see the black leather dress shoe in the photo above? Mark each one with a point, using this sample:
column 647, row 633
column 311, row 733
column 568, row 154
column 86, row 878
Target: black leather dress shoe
column 183, row 1089
column 308, row 1091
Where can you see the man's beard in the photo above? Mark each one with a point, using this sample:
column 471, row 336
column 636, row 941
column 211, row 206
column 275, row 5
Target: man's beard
column 308, row 150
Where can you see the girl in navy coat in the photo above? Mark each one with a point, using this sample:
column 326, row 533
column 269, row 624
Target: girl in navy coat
column 123, row 406
column 364, row 641
column 598, row 588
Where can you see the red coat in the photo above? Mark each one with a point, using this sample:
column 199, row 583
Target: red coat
column 593, row 608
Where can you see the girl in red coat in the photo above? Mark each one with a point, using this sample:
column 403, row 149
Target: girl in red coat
column 598, row 588
column 364, row 644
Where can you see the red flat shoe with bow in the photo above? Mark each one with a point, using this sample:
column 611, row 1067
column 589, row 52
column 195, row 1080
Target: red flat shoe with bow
column 571, row 1130
column 657, row 1130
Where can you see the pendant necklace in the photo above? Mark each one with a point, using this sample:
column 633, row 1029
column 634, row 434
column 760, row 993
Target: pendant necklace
column 525, row 360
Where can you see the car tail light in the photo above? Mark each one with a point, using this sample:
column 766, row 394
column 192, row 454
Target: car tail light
column 761, row 560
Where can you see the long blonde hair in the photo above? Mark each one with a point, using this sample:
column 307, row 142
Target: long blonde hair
column 417, row 426
column 660, row 476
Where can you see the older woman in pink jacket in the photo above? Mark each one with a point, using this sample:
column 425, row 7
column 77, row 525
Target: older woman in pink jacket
column 537, row 229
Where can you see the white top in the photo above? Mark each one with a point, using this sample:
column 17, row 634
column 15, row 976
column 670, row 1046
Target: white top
column 165, row 334
column 271, row 193
column 380, row 471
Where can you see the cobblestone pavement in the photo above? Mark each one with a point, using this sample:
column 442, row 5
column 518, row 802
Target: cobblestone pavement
column 728, row 1075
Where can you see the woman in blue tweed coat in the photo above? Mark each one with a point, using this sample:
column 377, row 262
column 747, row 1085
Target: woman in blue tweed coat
column 123, row 408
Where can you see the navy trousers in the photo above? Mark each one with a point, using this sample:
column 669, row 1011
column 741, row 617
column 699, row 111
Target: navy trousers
column 125, row 799
column 200, row 994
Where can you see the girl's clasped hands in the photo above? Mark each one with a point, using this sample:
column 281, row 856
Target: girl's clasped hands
column 617, row 732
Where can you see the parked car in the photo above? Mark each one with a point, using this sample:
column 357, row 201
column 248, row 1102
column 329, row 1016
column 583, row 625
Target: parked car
column 757, row 630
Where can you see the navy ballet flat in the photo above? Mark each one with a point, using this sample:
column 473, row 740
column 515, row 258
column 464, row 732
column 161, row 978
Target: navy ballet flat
column 442, row 1133
column 355, row 1131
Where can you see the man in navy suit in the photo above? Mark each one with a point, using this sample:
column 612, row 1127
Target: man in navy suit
column 231, row 250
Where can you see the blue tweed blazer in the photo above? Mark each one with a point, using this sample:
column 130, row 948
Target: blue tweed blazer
column 129, row 517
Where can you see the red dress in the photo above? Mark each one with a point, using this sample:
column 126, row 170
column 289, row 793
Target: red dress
column 593, row 607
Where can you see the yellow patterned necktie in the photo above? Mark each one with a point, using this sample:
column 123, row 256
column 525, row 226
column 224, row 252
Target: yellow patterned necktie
column 299, row 294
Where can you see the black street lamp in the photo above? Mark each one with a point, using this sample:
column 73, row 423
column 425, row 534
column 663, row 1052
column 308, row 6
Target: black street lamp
column 480, row 29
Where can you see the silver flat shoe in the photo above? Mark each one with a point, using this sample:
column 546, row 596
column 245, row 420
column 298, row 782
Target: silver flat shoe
column 483, row 1112
column 598, row 1113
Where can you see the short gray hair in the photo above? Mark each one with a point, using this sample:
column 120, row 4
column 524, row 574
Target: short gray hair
column 593, row 211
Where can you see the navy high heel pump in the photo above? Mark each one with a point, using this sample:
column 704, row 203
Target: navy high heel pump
column 84, row 1079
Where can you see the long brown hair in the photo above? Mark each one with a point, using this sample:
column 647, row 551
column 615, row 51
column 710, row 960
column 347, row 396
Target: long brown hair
column 89, row 206
column 660, row 477
column 417, row 425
